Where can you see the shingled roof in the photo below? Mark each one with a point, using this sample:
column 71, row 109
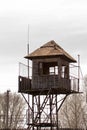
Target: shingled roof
column 50, row 49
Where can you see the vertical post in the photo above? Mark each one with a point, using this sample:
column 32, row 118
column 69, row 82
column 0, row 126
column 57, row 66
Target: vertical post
column 59, row 69
column 50, row 111
column 39, row 110
column 78, row 71
column 28, row 71
column 28, row 94
column 56, row 112
column 28, row 60
column 28, row 50
column 7, row 112
column 32, row 112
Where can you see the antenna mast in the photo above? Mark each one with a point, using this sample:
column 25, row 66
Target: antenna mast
column 28, row 50
column 28, row 72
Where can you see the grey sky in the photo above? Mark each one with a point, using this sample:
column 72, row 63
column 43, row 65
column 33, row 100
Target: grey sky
column 64, row 21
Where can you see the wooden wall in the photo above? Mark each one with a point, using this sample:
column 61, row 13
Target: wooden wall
column 48, row 81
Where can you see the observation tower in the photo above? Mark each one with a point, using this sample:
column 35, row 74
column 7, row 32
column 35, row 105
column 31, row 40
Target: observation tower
column 48, row 77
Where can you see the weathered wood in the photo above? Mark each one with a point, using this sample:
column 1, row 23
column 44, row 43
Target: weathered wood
column 24, row 84
column 51, row 81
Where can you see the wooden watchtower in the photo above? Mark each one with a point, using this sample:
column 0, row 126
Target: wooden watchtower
column 50, row 78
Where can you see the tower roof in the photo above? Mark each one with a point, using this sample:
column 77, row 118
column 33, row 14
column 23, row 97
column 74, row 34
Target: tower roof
column 50, row 49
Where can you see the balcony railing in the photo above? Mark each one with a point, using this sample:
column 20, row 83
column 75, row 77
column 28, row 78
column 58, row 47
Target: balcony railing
column 47, row 81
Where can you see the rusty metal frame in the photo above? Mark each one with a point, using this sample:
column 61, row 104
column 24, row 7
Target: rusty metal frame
column 41, row 105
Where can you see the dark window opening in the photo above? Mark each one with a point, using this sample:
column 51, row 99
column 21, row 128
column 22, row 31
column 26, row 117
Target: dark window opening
column 48, row 68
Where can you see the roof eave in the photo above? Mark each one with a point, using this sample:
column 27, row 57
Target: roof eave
column 50, row 56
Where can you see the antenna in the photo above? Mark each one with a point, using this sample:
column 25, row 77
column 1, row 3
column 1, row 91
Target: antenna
column 28, row 33
column 28, row 50
column 28, row 72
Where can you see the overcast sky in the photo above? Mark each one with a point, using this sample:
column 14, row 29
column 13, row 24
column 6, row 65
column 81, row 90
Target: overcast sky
column 64, row 21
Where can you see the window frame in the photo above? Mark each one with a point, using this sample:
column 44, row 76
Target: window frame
column 45, row 68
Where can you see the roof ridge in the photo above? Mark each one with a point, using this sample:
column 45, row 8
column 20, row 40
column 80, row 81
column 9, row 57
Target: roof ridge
column 51, row 43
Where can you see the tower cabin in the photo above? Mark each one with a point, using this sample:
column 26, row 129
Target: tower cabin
column 50, row 70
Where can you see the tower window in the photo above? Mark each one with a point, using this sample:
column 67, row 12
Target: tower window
column 53, row 70
column 63, row 71
column 48, row 68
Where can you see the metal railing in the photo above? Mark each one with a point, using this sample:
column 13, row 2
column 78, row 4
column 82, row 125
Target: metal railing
column 46, row 81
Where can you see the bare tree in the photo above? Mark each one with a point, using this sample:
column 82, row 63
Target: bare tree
column 73, row 112
column 85, row 86
column 85, row 80
column 12, row 108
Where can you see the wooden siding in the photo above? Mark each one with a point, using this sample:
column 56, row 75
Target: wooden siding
column 24, row 84
column 50, row 81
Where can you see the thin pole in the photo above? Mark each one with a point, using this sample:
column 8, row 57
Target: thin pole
column 39, row 111
column 28, row 73
column 28, row 51
column 32, row 112
column 7, row 95
column 78, row 71
column 50, row 97
column 56, row 112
